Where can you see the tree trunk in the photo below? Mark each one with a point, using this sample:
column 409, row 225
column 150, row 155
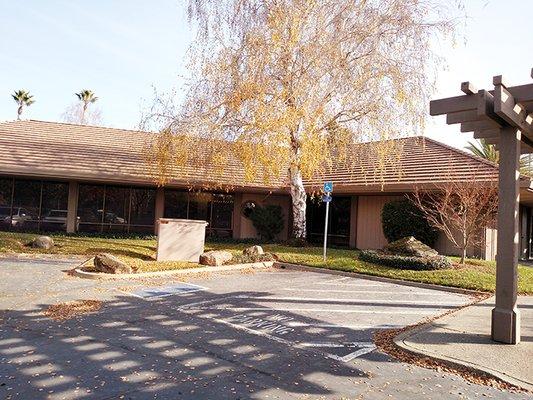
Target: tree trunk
column 463, row 248
column 19, row 112
column 463, row 255
column 298, row 195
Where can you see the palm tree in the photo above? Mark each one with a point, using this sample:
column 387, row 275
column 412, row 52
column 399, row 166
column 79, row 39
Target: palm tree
column 488, row 151
column 484, row 150
column 87, row 97
column 23, row 99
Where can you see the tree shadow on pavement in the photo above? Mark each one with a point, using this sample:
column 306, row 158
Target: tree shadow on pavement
column 165, row 348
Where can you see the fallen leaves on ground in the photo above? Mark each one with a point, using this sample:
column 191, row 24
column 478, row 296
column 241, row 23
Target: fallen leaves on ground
column 384, row 341
column 72, row 309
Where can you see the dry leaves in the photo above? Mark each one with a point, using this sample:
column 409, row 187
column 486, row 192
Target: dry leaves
column 72, row 309
column 384, row 341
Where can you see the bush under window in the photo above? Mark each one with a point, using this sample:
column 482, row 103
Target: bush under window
column 267, row 220
column 401, row 218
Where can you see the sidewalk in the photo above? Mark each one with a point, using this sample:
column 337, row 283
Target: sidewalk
column 464, row 338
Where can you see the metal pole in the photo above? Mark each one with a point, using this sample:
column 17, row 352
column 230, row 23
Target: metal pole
column 326, row 228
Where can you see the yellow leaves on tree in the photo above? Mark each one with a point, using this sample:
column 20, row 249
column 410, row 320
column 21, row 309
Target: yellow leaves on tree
column 288, row 86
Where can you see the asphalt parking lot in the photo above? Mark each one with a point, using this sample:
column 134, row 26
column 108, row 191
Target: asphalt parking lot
column 275, row 334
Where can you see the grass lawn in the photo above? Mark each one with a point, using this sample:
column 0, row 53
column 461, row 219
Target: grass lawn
column 139, row 253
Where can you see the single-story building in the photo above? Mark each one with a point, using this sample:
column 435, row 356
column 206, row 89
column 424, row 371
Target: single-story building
column 58, row 176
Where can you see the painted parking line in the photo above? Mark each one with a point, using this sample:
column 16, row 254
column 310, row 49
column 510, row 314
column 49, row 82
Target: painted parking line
column 154, row 293
column 328, row 310
column 344, row 326
column 350, row 284
column 364, row 301
column 361, row 349
column 428, row 293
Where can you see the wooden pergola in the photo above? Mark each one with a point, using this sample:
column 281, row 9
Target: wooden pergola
column 504, row 117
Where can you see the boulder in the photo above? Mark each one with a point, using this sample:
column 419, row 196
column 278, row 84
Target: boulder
column 253, row 251
column 42, row 242
column 110, row 264
column 215, row 257
column 409, row 246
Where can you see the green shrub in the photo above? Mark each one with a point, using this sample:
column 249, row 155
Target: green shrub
column 401, row 218
column 405, row 262
column 268, row 221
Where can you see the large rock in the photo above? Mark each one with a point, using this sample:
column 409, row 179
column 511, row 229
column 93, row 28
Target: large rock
column 42, row 242
column 110, row 264
column 215, row 257
column 253, row 251
column 409, row 246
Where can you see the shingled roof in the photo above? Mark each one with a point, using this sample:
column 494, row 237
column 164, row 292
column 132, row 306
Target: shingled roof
column 68, row 151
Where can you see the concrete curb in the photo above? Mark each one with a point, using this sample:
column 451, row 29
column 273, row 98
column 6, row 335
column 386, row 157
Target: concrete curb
column 78, row 272
column 422, row 285
column 399, row 341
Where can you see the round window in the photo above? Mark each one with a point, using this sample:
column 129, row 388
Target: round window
column 248, row 208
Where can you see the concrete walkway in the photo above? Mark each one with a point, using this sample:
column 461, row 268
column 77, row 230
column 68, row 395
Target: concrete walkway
column 464, row 338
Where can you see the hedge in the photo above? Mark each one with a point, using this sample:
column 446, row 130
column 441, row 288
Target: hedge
column 405, row 262
column 401, row 218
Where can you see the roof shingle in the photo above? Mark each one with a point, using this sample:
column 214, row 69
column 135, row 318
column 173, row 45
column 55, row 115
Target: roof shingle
column 60, row 150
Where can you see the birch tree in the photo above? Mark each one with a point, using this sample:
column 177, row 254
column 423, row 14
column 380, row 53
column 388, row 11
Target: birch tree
column 285, row 86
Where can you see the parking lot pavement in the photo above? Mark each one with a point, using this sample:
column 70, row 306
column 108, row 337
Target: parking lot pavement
column 273, row 334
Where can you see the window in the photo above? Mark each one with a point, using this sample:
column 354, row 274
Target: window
column 120, row 209
column 116, row 209
column 54, row 204
column 215, row 208
column 339, row 220
column 142, row 212
column 26, row 205
column 90, row 208
column 6, row 192
column 200, row 206
column 176, row 204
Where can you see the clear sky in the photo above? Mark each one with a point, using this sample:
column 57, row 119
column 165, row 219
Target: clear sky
column 121, row 49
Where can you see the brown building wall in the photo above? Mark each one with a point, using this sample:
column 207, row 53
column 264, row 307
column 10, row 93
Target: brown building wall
column 445, row 246
column 369, row 231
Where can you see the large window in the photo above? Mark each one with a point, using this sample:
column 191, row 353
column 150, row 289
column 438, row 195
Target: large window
column 121, row 209
column 215, row 208
column 338, row 224
column 32, row 205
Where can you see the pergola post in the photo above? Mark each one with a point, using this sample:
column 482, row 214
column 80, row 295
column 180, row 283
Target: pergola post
column 504, row 117
column 506, row 316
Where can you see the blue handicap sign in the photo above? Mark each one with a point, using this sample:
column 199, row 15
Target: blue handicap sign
column 326, row 198
column 328, row 187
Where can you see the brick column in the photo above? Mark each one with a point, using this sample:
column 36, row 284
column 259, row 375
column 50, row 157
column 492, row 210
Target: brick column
column 72, row 207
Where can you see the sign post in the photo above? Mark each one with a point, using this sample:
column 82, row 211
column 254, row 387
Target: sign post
column 328, row 188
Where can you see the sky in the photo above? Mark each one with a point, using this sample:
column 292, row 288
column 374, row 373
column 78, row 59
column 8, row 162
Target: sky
column 122, row 50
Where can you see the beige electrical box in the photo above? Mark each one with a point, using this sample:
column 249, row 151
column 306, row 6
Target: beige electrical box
column 180, row 239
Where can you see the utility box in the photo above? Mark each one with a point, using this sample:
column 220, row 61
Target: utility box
column 180, row 239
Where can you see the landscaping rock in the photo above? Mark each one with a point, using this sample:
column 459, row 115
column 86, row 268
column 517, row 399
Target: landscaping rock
column 253, row 251
column 110, row 264
column 215, row 257
column 42, row 242
column 409, row 246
